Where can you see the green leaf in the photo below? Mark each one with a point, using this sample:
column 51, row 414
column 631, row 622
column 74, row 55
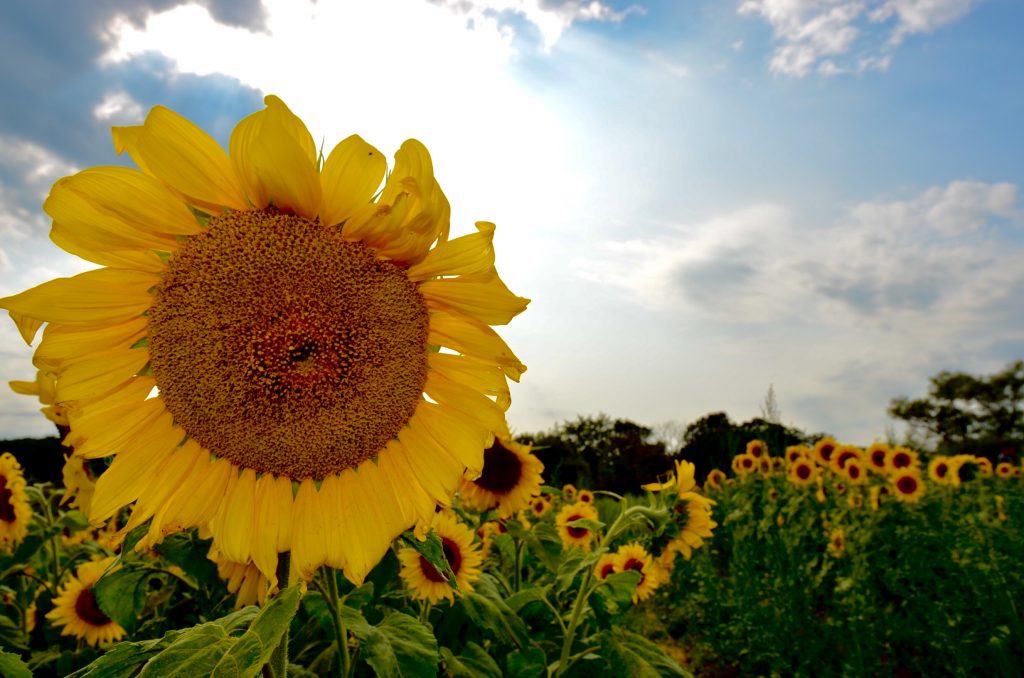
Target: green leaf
column 132, row 538
column 473, row 662
column 573, row 562
column 544, row 542
column 12, row 666
column 122, row 595
column 124, row 659
column 74, row 521
column 486, row 608
column 433, row 550
column 633, row 655
column 528, row 663
column 614, row 596
column 399, row 646
column 518, row 601
column 212, row 649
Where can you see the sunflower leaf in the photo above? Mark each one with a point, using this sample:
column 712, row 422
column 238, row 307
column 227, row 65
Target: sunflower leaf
column 432, row 549
column 527, row 663
column 486, row 608
column 630, row 654
column 121, row 595
column 474, row 661
column 12, row 666
column 614, row 596
column 397, row 647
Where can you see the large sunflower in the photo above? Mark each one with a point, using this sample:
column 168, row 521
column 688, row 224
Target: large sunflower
column 509, row 480
column 15, row 510
column 75, row 607
column 907, row 485
column 287, row 351
column 423, row 579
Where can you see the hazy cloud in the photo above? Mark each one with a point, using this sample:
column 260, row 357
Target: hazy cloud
column 841, row 36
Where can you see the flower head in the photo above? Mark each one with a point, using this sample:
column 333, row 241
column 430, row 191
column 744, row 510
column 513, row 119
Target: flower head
column 15, row 510
column 510, row 479
column 576, row 535
column 77, row 611
column 463, row 556
column 293, row 353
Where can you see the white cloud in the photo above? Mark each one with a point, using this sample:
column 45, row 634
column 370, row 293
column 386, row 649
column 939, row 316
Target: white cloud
column 118, row 108
column 27, row 171
column 813, row 32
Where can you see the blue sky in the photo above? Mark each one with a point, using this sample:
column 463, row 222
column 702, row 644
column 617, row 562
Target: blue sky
column 702, row 198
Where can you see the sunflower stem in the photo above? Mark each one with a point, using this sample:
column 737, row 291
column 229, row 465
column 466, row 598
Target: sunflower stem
column 518, row 580
column 279, row 659
column 340, row 632
column 44, row 502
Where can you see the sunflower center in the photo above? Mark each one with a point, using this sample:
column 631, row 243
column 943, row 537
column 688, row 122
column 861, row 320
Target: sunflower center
column 6, row 506
column 576, row 532
column 283, row 348
column 907, row 484
column 502, row 469
column 88, row 610
column 803, row 471
column 637, row 566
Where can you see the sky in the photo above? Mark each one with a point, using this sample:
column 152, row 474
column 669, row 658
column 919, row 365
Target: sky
column 702, row 198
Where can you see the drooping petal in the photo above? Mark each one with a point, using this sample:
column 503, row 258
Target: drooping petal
column 466, row 255
column 473, row 338
column 350, row 177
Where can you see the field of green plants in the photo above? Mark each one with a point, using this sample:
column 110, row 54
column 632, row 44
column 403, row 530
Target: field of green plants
column 827, row 561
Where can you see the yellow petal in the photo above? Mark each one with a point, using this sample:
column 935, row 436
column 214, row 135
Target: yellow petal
column 81, row 245
column 350, row 177
column 484, row 297
column 405, row 490
column 371, row 525
column 468, row 402
column 273, row 510
column 90, row 298
column 480, row 376
column 475, row 339
column 334, row 530
column 308, row 549
column 94, row 443
column 99, row 373
column 432, row 465
column 282, row 157
column 188, row 159
column 469, row 254
column 184, row 465
column 195, row 502
column 63, row 343
column 234, row 525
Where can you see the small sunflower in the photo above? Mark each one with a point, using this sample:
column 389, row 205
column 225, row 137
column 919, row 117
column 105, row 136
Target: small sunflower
column 855, row 500
column 743, row 465
column 823, row 450
column 875, row 457
column 605, row 566
column 876, row 494
column 423, row 579
column 907, row 485
column 794, row 452
column 510, row 478
column 964, row 468
column 576, row 535
column 715, row 480
column 855, row 471
column 984, row 466
column 901, row 458
column 569, row 492
column 1004, row 469
column 290, row 351
column 540, row 505
column 842, row 455
column 837, row 543
column 486, row 533
column 79, row 485
column 802, row 472
column 15, row 510
column 757, row 449
column 681, row 479
column 939, row 470
column 585, row 496
column 76, row 609
column 634, row 556
column 693, row 523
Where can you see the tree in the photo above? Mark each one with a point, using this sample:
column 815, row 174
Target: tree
column 965, row 414
column 713, row 440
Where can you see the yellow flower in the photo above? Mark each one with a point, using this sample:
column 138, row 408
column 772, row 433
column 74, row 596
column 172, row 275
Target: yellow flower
column 844, row 454
column 715, row 480
column 634, row 557
column 540, row 505
column 743, row 464
column 261, row 350
column 605, row 566
column 1004, row 469
column 423, row 579
column 802, row 472
column 15, row 510
column 855, row 472
column 681, row 479
column 939, row 470
column 693, row 522
column 907, row 485
column 901, row 458
column 757, row 449
column 823, row 450
column 875, row 457
column 75, row 607
column 794, row 452
column 511, row 477
column 79, row 485
column 569, row 492
column 585, row 496
column 837, row 543
column 573, row 535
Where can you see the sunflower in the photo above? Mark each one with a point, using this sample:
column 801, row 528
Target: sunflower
column 837, row 543
column 633, row 556
column 938, row 470
column 715, row 480
column 263, row 322
column 794, row 452
column 486, row 533
column 585, row 496
column 757, row 448
column 693, row 524
column 681, row 479
column 901, row 458
column 876, row 494
column 423, row 579
column 243, row 579
column 964, row 468
column 540, row 505
column 907, row 485
column 823, row 450
column 855, row 500
column 875, row 457
column 984, row 466
column 509, row 480
column 743, row 465
column 576, row 535
column 569, row 492
column 75, row 607
column 15, row 510
column 605, row 566
column 79, row 485
column 855, row 472
column 802, row 472
column 1004, row 469
column 844, row 454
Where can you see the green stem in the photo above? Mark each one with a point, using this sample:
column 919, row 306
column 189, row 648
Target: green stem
column 518, row 580
column 340, row 632
column 279, row 659
column 44, row 502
